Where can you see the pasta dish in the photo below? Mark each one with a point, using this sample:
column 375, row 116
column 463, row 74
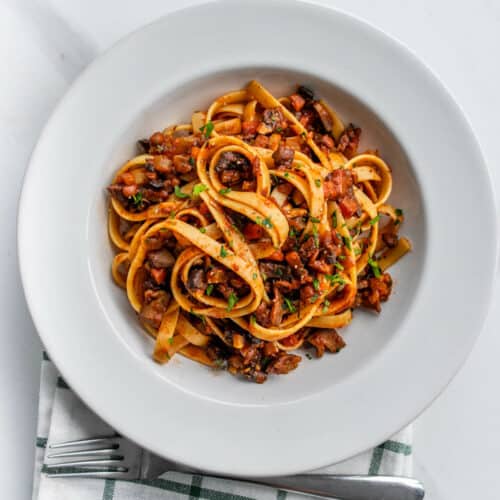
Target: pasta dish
column 252, row 231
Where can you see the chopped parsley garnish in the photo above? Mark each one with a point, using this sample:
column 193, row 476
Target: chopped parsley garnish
column 231, row 301
column 264, row 222
column 225, row 191
column 279, row 129
column 339, row 266
column 316, row 283
column 347, row 242
column 375, row 220
column 315, row 235
column 357, row 251
column 236, row 228
column 137, row 199
column 314, row 298
column 203, row 230
column 287, row 175
column 399, row 212
column 266, row 360
column 179, row 193
column 317, row 182
column 223, row 251
column 335, row 279
column 334, row 219
column 254, row 276
column 171, row 340
column 191, row 161
column 289, row 305
column 341, row 257
column 199, row 188
column 326, row 305
column 253, row 320
column 210, row 289
column 219, row 363
column 171, row 215
column 207, row 129
column 199, row 316
column 314, row 219
column 292, row 233
column 375, row 268
column 304, row 135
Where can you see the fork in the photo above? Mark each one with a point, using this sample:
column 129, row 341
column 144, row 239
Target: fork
column 118, row 458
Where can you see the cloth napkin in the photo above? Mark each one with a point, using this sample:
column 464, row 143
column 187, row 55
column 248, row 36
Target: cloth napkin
column 63, row 417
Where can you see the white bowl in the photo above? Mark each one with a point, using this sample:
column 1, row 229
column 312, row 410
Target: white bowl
column 394, row 365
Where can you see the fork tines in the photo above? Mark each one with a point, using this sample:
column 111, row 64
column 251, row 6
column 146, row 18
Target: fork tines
column 104, row 457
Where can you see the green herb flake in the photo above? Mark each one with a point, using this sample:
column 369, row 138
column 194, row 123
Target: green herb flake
column 253, row 320
column 341, row 257
column 207, row 129
column 335, row 279
column 289, row 305
column 171, row 340
column 137, row 199
column 375, row 220
column 303, row 135
column 375, row 268
column 316, row 283
column 224, row 191
column 172, row 215
column 254, row 276
column 326, row 305
column 179, row 193
column 231, row 301
column 267, row 223
column 199, row 188
column 191, row 161
column 199, row 316
column 317, row 182
column 315, row 219
column 347, row 241
column 203, row 230
column 223, row 251
column 292, row 233
column 219, row 363
column 266, row 360
column 286, row 175
column 339, row 266
column 314, row 298
column 210, row 289
column 334, row 219
column 399, row 212
column 357, row 251
column 315, row 235
column 264, row 222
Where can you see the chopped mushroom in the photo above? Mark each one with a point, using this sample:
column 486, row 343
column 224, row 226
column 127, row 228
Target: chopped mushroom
column 285, row 363
column 327, row 339
column 324, row 116
column 154, row 307
column 161, row 258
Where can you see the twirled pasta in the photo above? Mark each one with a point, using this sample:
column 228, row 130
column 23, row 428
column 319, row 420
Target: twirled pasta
column 252, row 231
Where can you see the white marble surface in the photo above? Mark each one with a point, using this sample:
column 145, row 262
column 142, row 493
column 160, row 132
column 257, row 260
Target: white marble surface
column 45, row 44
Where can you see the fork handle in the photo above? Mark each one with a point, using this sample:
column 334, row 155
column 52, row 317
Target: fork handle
column 348, row 487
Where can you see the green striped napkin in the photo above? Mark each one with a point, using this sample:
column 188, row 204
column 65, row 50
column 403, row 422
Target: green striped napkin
column 62, row 417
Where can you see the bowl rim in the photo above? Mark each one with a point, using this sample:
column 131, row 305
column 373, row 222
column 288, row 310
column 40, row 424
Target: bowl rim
column 25, row 210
